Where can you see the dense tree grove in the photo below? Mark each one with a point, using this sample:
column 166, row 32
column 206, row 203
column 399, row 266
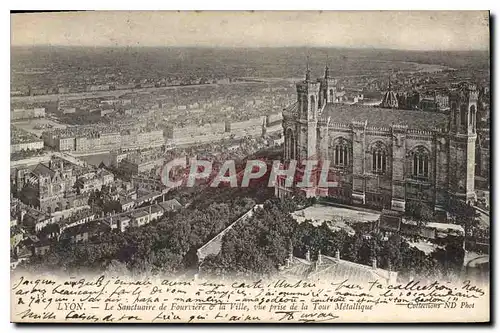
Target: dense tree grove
column 263, row 243
column 465, row 215
column 419, row 211
column 258, row 246
column 477, row 235
column 166, row 246
column 100, row 203
column 27, row 153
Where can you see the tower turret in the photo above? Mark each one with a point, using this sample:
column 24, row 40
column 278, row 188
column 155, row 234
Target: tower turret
column 390, row 100
column 328, row 87
column 463, row 104
column 308, row 72
column 308, row 102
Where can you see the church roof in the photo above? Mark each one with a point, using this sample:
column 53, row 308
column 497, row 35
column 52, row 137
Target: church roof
column 339, row 269
column 335, row 269
column 380, row 117
column 291, row 108
column 171, row 205
column 298, row 267
column 390, row 100
column 43, row 170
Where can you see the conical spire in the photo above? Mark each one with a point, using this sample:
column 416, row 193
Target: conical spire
column 308, row 72
column 327, row 70
column 390, row 99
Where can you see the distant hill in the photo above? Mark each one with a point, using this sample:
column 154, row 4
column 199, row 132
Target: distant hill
column 236, row 62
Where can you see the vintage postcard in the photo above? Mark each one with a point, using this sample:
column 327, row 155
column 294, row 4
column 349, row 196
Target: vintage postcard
column 250, row 167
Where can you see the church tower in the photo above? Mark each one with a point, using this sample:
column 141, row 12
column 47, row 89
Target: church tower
column 308, row 108
column 463, row 103
column 328, row 88
column 390, row 100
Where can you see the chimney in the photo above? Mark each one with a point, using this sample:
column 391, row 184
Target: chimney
column 337, row 255
column 308, row 255
column 374, row 263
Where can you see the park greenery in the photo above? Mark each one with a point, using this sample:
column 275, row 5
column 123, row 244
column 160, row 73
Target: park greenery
column 262, row 245
column 27, row 153
column 258, row 246
column 166, row 246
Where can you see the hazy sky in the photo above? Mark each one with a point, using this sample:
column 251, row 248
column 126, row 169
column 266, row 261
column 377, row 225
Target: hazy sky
column 431, row 30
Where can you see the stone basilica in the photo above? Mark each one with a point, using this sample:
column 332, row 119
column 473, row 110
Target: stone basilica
column 384, row 157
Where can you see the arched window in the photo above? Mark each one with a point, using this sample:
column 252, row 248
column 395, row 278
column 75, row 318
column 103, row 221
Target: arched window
column 340, row 153
column 303, row 101
column 379, row 158
column 453, row 113
column 420, row 162
column 313, row 104
column 463, row 115
column 472, row 117
column 289, row 144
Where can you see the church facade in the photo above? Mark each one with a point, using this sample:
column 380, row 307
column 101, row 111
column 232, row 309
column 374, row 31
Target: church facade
column 384, row 157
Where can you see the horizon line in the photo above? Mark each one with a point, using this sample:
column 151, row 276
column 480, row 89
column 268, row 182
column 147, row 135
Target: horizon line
column 488, row 49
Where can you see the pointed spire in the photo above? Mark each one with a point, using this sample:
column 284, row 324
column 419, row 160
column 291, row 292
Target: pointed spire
column 327, row 70
column 308, row 72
